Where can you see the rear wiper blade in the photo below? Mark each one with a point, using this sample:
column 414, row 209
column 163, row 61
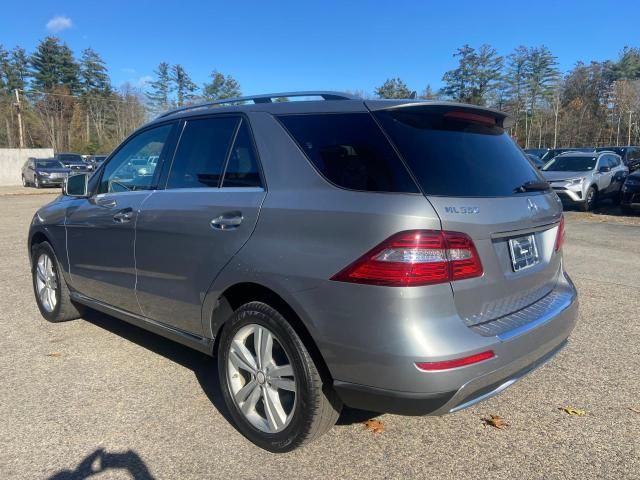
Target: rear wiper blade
column 533, row 186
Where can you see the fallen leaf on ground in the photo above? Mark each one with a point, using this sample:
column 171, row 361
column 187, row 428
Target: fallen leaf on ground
column 637, row 410
column 495, row 421
column 53, row 354
column 375, row 426
column 576, row 412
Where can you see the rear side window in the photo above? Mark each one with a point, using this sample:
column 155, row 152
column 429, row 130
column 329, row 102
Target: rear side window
column 242, row 168
column 350, row 151
column 202, row 150
column 458, row 157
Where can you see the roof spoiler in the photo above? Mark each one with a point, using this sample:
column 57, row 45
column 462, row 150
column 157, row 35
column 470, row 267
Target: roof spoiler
column 471, row 112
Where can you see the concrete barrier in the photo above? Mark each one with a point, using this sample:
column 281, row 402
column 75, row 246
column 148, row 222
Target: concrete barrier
column 12, row 159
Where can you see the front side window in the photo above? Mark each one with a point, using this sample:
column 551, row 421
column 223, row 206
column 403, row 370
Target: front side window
column 202, row 151
column 350, row 151
column 130, row 169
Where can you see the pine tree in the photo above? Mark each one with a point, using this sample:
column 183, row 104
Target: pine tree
column 393, row 88
column 476, row 75
column 184, row 86
column 54, row 66
column 221, row 87
column 93, row 73
column 159, row 96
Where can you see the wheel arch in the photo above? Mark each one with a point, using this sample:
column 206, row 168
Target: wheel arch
column 238, row 294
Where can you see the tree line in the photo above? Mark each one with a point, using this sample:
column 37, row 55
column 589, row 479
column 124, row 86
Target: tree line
column 68, row 102
column 594, row 104
column 52, row 98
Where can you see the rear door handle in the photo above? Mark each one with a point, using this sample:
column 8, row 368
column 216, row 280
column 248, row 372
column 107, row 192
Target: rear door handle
column 227, row 221
column 123, row 216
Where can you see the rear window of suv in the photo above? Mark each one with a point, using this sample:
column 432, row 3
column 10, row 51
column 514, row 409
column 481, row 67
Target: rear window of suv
column 350, row 151
column 452, row 156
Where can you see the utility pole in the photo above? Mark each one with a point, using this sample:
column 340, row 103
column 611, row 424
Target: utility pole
column 20, row 132
column 629, row 135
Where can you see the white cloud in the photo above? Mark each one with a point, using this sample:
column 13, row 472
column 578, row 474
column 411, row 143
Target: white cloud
column 59, row 23
column 143, row 81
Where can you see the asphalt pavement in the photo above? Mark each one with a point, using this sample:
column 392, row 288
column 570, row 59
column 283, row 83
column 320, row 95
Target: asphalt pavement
column 98, row 398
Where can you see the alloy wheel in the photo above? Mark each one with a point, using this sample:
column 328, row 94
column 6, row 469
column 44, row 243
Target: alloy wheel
column 261, row 378
column 46, row 283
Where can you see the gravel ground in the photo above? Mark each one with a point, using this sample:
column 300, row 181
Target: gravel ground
column 97, row 397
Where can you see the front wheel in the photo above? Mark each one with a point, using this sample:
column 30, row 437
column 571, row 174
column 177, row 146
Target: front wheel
column 36, row 182
column 590, row 200
column 49, row 286
column 270, row 383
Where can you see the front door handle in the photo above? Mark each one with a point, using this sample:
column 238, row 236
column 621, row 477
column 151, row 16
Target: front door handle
column 227, row 221
column 123, row 216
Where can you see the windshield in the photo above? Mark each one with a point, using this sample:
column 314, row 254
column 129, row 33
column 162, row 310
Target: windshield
column 570, row 164
column 458, row 156
column 49, row 164
column 619, row 151
column 70, row 158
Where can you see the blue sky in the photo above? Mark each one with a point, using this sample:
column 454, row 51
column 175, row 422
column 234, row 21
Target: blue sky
column 275, row 45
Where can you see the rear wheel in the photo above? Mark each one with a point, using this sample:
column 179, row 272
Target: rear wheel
column 590, row 199
column 50, row 288
column 270, row 383
column 24, row 182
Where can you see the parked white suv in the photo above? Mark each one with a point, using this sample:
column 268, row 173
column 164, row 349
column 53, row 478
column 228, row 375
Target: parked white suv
column 583, row 178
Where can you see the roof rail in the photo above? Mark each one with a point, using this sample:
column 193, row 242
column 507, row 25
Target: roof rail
column 265, row 98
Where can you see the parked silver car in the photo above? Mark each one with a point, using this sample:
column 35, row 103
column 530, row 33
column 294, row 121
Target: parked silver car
column 583, row 178
column 395, row 256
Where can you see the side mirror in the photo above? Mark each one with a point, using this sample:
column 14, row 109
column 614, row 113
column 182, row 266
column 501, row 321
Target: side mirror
column 604, row 169
column 76, row 185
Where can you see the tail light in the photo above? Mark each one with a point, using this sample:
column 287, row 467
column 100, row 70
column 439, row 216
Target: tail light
column 416, row 257
column 455, row 363
column 560, row 234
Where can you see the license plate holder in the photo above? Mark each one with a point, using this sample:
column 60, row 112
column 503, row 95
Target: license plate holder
column 524, row 252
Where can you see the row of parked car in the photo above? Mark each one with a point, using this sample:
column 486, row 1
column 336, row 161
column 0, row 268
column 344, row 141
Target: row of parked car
column 45, row 172
column 583, row 176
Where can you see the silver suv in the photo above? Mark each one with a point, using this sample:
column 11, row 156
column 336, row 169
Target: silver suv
column 393, row 256
column 583, row 178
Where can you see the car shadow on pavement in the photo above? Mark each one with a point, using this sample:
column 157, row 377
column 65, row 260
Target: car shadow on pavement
column 203, row 366
column 101, row 461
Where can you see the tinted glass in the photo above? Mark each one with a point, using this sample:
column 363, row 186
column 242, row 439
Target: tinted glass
column 69, row 158
column 350, row 151
column 124, row 172
column 567, row 163
column 202, row 152
column 456, row 157
column 48, row 164
column 242, row 169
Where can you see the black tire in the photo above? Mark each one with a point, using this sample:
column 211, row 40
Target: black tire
column 317, row 407
column 591, row 199
column 24, row 182
column 617, row 198
column 64, row 309
column 36, row 182
column 626, row 210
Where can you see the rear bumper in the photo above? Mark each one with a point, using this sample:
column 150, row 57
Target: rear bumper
column 517, row 353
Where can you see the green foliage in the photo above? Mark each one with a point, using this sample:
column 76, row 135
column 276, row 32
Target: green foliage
column 93, row 73
column 628, row 66
column 393, row 88
column 221, row 87
column 476, row 75
column 54, row 66
column 158, row 97
column 184, row 86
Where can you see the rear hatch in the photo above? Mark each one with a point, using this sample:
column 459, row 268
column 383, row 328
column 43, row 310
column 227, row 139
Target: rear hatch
column 480, row 183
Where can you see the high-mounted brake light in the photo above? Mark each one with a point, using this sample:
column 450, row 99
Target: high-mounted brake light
column 455, row 363
column 471, row 117
column 416, row 257
column 560, row 234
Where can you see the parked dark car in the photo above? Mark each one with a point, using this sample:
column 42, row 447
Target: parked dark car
column 631, row 193
column 73, row 161
column 630, row 155
column 96, row 160
column 538, row 152
column 43, row 173
column 536, row 160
